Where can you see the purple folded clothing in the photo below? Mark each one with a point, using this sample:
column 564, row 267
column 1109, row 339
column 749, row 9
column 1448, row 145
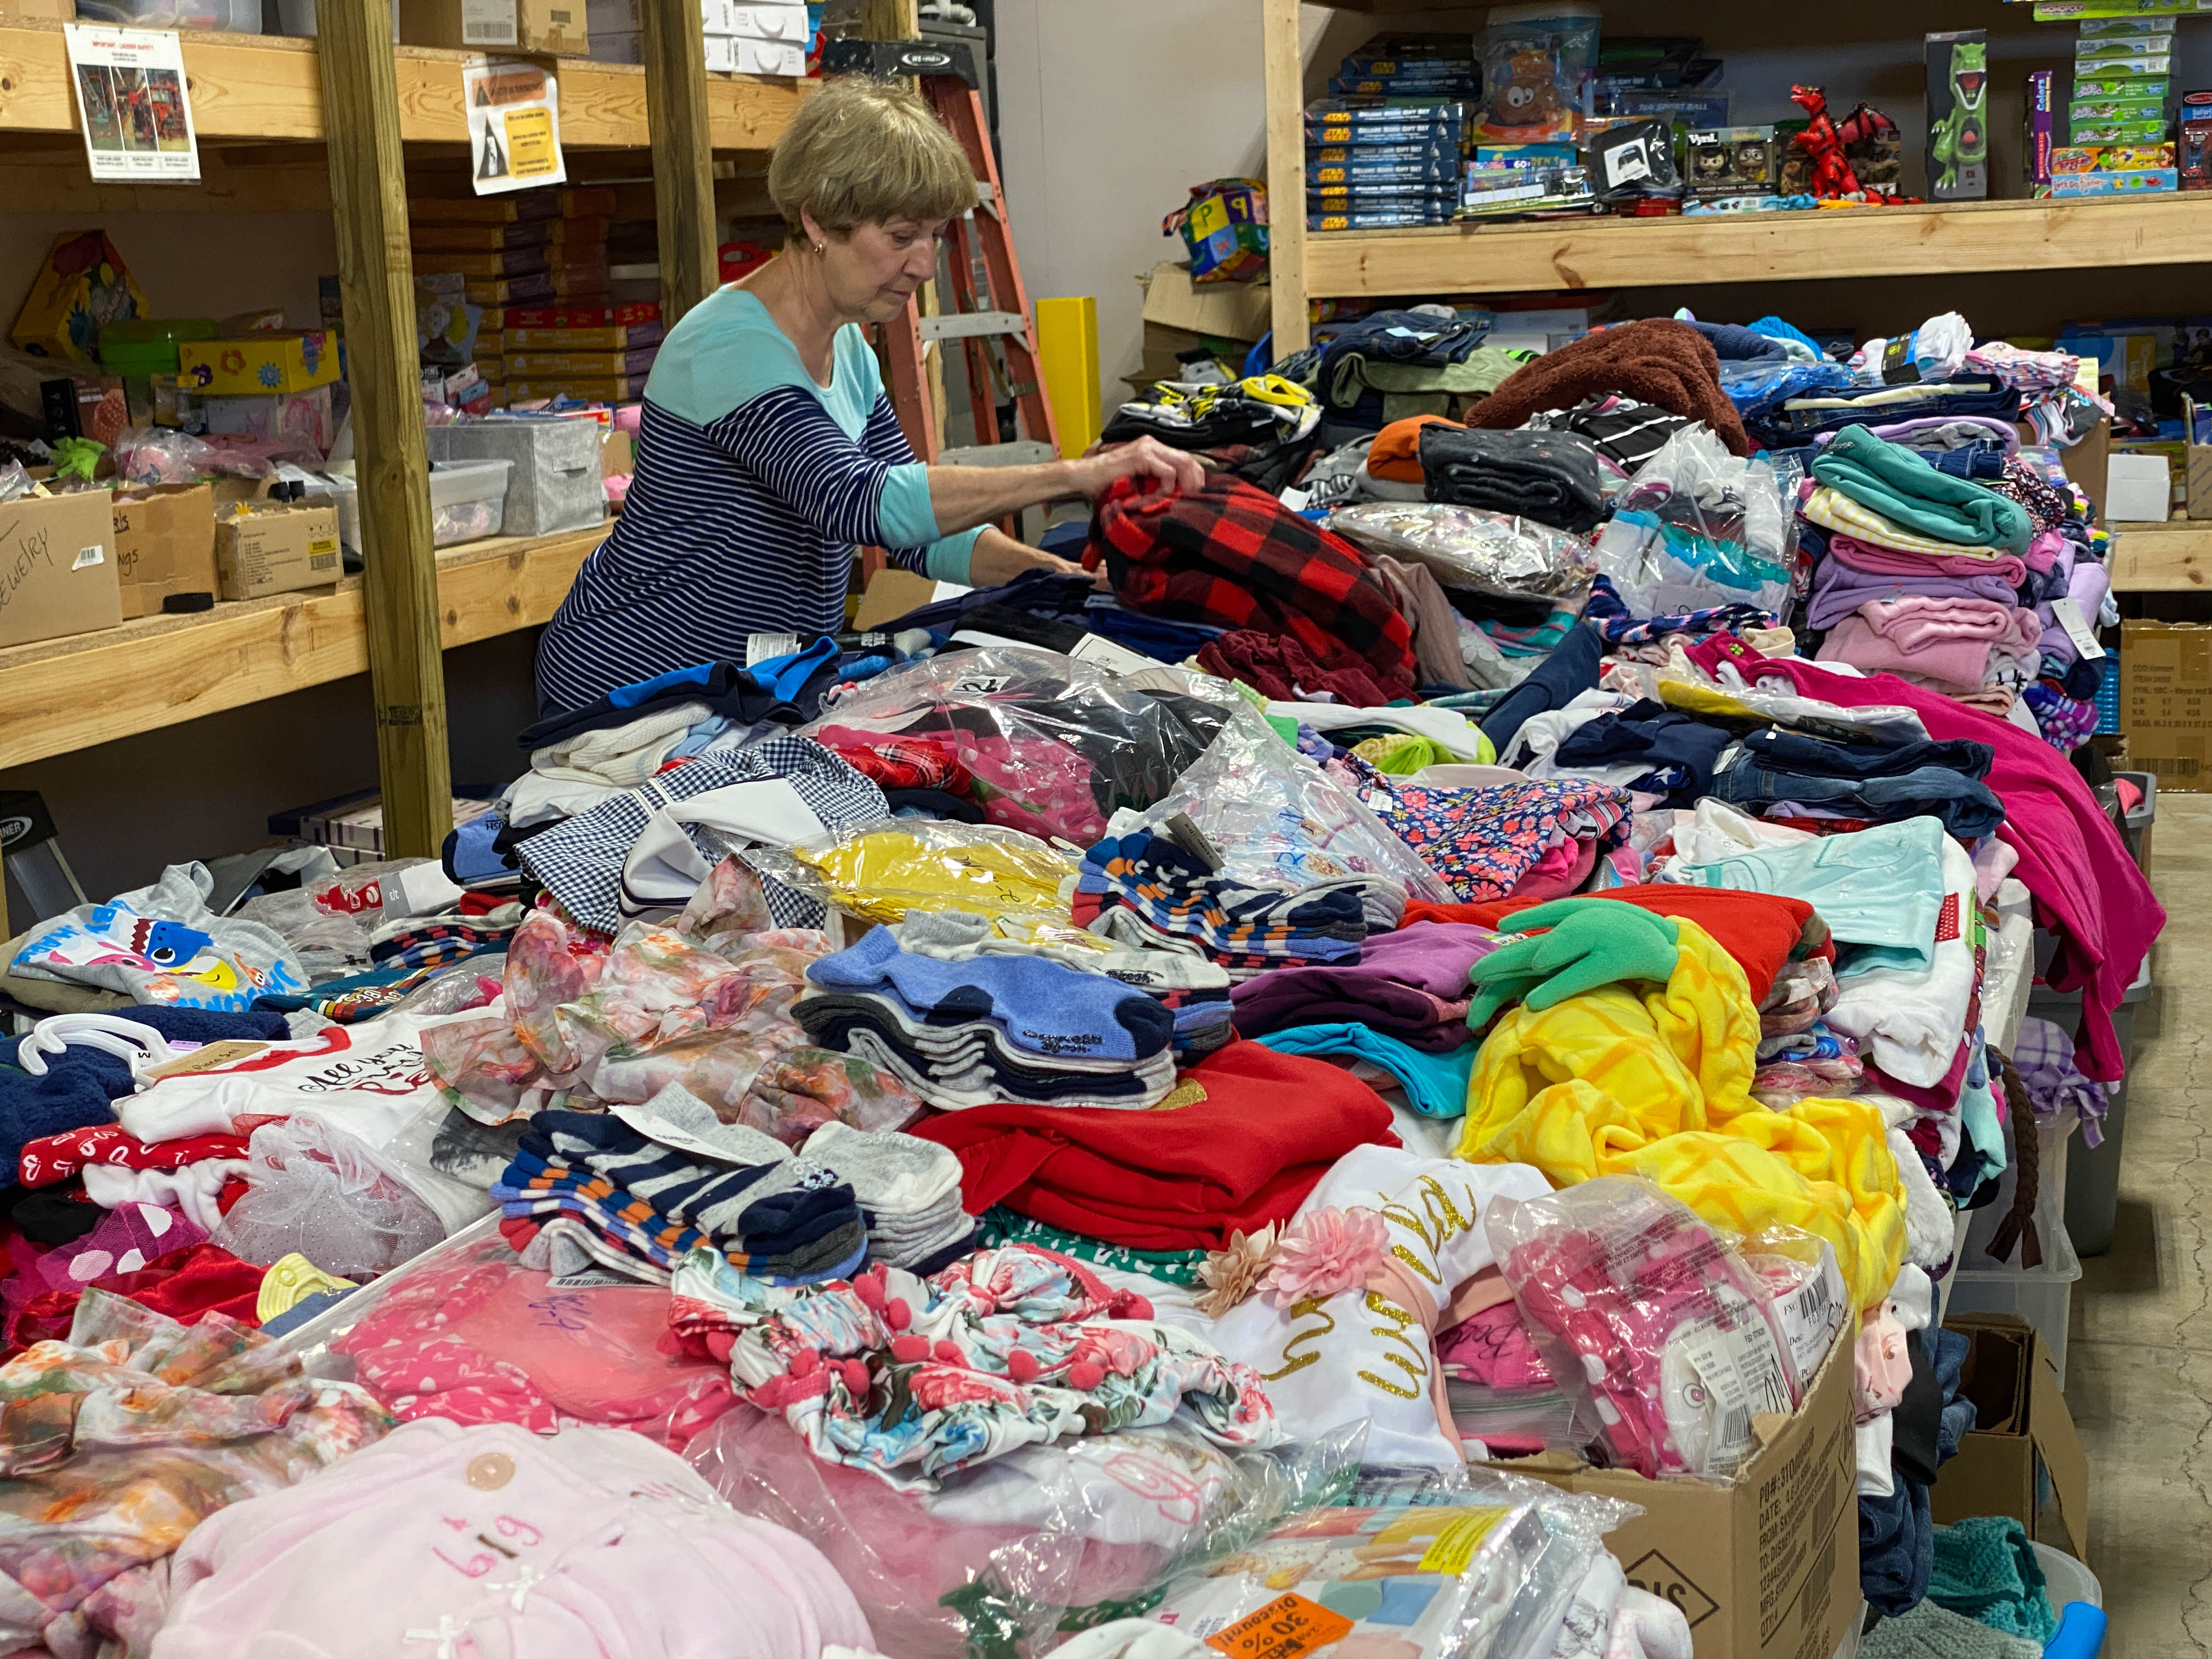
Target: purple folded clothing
column 1411, row 985
column 1839, row 588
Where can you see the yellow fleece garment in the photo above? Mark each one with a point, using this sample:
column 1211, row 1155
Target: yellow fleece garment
column 1655, row 1081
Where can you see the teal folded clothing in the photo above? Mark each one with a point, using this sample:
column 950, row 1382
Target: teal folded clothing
column 1435, row 1085
column 1896, row 483
column 1986, row 1570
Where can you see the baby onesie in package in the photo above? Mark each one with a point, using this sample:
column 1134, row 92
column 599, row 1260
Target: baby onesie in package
column 1488, row 1576
column 1663, row 1337
column 161, row 943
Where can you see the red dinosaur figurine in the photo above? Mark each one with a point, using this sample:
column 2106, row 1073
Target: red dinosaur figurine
column 1831, row 175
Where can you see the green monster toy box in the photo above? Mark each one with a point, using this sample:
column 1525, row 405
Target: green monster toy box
column 1958, row 116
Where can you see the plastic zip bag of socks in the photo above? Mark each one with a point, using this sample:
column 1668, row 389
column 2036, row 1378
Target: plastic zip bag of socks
column 1484, row 1573
column 1663, row 1337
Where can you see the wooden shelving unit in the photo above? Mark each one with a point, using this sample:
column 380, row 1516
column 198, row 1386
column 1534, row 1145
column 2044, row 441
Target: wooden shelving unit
column 1937, row 239
column 331, row 123
column 2174, row 558
column 69, row 693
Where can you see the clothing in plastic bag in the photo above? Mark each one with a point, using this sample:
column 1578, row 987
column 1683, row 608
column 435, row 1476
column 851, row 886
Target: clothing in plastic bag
column 314, row 1187
column 1488, row 1573
column 470, row 1335
column 1052, row 746
column 1656, row 1329
column 123, row 1439
column 1466, row 547
column 161, row 943
column 1698, row 527
column 1277, row 819
column 1056, row 1534
column 484, row 1540
column 883, row 869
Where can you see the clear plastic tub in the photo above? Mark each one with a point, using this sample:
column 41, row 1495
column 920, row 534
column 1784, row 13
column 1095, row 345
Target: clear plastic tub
column 230, row 16
column 468, row 501
column 2067, row 1580
column 297, row 18
column 2042, row 1295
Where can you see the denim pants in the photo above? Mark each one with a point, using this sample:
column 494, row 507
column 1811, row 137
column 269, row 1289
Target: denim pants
column 1783, row 751
column 1966, row 807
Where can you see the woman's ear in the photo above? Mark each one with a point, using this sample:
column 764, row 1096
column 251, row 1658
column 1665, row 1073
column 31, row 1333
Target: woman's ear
column 817, row 238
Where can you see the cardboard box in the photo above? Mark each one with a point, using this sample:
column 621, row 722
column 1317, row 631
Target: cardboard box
column 891, row 592
column 57, row 570
column 273, row 360
column 277, row 549
column 164, row 544
column 733, row 55
column 2166, row 702
column 2023, row 1441
column 1767, row 1566
column 1229, row 310
column 1958, row 116
column 556, row 27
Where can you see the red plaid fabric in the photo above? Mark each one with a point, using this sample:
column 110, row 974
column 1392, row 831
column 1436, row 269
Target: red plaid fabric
column 1234, row 556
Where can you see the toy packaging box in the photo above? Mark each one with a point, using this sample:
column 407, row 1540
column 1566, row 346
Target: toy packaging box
column 1224, row 225
column 2196, row 149
column 81, row 286
column 1958, row 116
column 1732, row 160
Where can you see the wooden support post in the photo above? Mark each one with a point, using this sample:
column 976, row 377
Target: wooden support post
column 683, row 159
column 376, row 279
column 1286, row 81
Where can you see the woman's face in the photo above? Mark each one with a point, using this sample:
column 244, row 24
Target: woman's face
column 873, row 272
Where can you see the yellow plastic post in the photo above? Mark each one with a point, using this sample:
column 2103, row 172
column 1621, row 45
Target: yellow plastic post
column 1067, row 343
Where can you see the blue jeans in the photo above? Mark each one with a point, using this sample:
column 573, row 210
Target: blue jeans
column 1966, row 807
column 1780, row 750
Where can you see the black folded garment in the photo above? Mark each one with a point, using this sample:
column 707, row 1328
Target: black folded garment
column 1549, row 477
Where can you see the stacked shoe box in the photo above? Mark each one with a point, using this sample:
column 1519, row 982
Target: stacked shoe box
column 1385, row 147
column 742, row 39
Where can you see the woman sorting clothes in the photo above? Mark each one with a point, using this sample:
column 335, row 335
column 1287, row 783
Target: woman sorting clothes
column 768, row 449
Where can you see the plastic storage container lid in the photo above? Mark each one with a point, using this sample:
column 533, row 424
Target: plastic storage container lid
column 146, row 330
column 454, row 481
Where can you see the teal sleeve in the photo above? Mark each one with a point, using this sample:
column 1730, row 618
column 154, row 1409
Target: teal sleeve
column 949, row 557
column 907, row 518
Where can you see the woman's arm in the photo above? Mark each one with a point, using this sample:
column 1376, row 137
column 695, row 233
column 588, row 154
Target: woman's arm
column 963, row 496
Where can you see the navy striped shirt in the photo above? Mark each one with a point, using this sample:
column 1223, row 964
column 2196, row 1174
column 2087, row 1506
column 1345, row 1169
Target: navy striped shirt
column 753, row 482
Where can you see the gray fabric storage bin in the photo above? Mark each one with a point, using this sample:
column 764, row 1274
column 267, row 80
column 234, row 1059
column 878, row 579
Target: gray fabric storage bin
column 555, row 483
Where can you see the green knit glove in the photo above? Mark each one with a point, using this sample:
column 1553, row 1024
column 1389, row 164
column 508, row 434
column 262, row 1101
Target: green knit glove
column 1591, row 942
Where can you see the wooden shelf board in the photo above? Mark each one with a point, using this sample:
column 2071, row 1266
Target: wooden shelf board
column 2174, row 558
column 261, row 88
column 1925, row 240
column 69, row 694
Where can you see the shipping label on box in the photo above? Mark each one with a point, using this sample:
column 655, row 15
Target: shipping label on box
column 58, row 574
column 276, row 550
column 164, row 544
column 2165, row 702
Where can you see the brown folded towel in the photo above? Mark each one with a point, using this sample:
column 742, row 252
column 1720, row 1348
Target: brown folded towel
column 1658, row 360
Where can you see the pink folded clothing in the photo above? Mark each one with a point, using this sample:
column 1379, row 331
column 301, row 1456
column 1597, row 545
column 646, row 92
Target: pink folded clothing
column 2043, row 553
column 1946, row 642
column 1493, row 1347
column 1896, row 561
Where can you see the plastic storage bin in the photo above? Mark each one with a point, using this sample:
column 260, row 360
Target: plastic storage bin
column 230, row 16
column 554, row 484
column 2092, row 1173
column 468, row 501
column 297, row 19
column 2135, row 827
column 2042, row 1294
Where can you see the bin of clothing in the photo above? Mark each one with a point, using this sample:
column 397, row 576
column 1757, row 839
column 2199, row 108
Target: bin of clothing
column 2093, row 1178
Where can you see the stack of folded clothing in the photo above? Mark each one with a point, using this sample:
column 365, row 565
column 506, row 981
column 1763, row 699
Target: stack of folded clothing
column 1410, row 985
column 1146, row 891
column 908, row 1191
column 1196, row 994
column 1806, row 782
column 992, row 1028
column 639, row 1190
column 1245, row 1137
column 1625, row 432
column 1925, row 584
column 1553, row 478
column 1260, row 430
column 1234, row 556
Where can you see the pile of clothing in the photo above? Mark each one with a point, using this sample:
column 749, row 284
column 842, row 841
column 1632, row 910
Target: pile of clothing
column 991, row 1028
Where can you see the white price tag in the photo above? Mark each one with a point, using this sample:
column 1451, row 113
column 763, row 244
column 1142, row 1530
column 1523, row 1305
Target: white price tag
column 1811, row 1315
column 1103, row 652
column 2068, row 615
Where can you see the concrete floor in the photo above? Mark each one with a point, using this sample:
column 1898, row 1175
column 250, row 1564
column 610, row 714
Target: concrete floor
column 2139, row 1358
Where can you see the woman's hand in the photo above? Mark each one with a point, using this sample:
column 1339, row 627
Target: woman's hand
column 1140, row 458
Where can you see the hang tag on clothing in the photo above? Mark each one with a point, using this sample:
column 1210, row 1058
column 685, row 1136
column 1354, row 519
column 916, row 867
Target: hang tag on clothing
column 1103, row 652
column 2068, row 616
column 1193, row 840
column 765, row 647
column 1897, row 367
column 204, row 1057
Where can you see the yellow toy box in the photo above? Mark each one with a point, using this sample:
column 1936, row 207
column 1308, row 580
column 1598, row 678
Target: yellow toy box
column 82, row 288
column 272, row 360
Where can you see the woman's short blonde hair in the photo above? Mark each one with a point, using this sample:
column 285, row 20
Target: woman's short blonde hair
column 861, row 151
